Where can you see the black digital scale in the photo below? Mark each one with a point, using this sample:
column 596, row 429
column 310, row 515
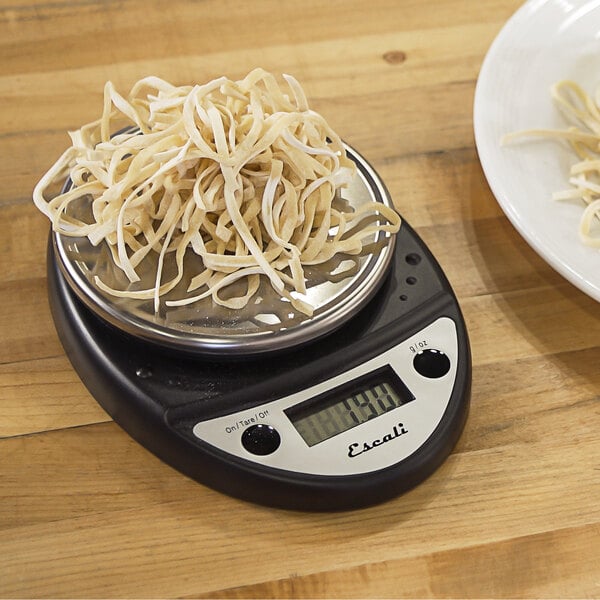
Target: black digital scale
column 348, row 408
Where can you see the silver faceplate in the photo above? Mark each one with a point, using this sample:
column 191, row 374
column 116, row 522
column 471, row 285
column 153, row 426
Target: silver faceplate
column 391, row 437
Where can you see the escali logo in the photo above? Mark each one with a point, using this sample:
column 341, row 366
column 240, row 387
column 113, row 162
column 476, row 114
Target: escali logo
column 356, row 450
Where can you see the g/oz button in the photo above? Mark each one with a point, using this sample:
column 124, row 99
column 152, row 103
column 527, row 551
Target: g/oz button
column 431, row 363
column 261, row 439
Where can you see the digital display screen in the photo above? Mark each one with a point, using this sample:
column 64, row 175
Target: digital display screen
column 348, row 405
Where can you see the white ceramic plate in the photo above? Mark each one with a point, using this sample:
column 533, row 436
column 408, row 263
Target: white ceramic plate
column 544, row 41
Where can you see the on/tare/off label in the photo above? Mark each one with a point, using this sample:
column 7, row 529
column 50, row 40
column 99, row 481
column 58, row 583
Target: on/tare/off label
column 246, row 421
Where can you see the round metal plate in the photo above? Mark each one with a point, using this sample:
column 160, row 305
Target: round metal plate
column 337, row 290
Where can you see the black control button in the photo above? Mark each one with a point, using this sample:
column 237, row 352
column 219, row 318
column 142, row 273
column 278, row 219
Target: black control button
column 261, row 439
column 431, row 363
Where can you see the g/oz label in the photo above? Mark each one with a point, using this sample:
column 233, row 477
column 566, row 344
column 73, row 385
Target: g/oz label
column 418, row 346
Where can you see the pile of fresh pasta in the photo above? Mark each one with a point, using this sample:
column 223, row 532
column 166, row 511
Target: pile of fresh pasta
column 242, row 173
column 584, row 138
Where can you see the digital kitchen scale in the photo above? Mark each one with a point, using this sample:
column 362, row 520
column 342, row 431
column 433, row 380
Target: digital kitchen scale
column 347, row 408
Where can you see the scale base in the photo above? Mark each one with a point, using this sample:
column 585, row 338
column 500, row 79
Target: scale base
column 157, row 394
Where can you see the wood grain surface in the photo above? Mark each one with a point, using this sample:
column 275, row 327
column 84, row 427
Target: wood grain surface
column 87, row 512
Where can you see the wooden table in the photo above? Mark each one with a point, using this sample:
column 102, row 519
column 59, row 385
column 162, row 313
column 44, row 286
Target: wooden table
column 87, row 512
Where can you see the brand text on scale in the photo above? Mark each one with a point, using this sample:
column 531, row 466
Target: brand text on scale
column 355, row 449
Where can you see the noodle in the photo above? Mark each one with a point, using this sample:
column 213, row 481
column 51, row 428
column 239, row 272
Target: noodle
column 584, row 112
column 240, row 172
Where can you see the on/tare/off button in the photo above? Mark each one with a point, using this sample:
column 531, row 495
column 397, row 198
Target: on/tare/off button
column 431, row 363
column 261, row 439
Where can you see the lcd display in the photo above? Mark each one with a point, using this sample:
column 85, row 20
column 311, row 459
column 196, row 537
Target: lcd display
column 348, row 405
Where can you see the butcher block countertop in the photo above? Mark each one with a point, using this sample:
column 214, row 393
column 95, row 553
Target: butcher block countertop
column 86, row 512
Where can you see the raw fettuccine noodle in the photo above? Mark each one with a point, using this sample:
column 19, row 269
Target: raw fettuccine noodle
column 243, row 173
column 584, row 139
